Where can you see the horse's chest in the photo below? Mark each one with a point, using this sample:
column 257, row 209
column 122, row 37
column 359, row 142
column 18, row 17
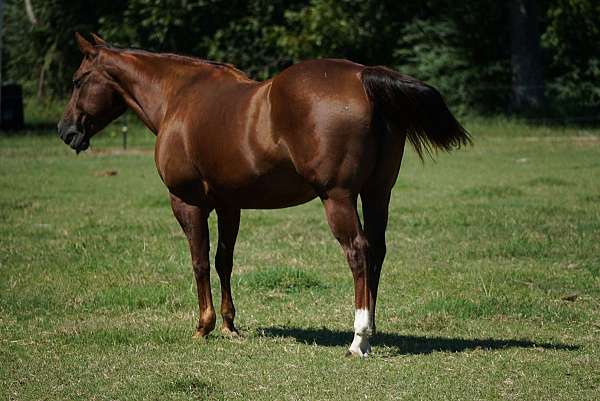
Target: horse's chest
column 197, row 175
column 177, row 172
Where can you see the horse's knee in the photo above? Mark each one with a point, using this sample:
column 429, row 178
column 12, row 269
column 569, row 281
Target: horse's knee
column 360, row 243
column 201, row 269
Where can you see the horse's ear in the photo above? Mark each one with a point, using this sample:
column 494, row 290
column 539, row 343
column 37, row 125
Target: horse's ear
column 86, row 47
column 99, row 41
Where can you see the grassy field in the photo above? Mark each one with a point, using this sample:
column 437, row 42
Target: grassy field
column 490, row 290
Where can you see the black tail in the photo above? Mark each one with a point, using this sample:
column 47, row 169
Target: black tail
column 415, row 108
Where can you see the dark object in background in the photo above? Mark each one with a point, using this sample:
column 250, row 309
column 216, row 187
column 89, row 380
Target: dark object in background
column 11, row 115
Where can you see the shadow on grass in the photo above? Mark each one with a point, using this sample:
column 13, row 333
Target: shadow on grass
column 407, row 345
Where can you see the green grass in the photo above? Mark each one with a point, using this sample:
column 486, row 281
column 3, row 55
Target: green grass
column 490, row 290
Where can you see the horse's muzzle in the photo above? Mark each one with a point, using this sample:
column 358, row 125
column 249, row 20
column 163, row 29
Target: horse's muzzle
column 73, row 137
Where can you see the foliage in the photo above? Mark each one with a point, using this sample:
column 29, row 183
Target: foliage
column 572, row 39
column 432, row 52
column 43, row 57
column 463, row 47
column 326, row 28
column 253, row 40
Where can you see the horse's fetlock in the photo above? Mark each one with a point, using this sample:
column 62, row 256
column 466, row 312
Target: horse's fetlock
column 208, row 321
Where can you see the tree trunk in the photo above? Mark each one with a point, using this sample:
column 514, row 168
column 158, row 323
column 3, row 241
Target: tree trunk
column 30, row 14
column 526, row 57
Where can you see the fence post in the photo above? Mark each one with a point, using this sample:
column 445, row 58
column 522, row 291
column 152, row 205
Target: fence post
column 124, row 130
column 1, row 30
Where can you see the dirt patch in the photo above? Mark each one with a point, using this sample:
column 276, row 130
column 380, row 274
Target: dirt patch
column 121, row 152
column 106, row 173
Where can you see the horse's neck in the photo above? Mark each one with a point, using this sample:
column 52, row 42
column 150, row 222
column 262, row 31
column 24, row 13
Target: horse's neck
column 140, row 86
column 148, row 81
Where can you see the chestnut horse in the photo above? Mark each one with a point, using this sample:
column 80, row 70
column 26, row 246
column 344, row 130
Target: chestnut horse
column 331, row 129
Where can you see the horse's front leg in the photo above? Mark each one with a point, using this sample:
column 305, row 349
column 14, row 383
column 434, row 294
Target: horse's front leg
column 194, row 222
column 345, row 225
column 229, row 223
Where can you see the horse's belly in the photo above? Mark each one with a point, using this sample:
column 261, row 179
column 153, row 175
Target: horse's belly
column 274, row 190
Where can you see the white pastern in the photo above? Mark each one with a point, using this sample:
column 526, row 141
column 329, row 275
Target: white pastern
column 362, row 330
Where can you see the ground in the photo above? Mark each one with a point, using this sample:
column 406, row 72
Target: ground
column 490, row 290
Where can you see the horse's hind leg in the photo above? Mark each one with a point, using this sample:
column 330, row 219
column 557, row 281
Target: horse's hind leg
column 194, row 222
column 375, row 215
column 229, row 223
column 375, row 197
column 340, row 208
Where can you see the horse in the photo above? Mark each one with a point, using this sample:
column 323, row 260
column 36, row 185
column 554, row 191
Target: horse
column 326, row 128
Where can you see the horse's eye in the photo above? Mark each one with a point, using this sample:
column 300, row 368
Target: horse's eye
column 77, row 83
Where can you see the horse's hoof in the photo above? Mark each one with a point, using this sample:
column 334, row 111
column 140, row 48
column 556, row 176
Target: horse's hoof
column 360, row 346
column 200, row 333
column 228, row 332
column 352, row 354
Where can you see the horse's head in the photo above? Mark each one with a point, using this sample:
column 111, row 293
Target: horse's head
column 95, row 101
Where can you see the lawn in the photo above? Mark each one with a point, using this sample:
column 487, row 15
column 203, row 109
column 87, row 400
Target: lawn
column 490, row 290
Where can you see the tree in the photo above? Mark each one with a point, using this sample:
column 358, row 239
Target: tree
column 571, row 41
column 43, row 56
column 526, row 58
column 484, row 56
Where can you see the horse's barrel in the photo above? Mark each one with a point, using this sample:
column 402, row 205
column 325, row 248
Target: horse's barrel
column 11, row 110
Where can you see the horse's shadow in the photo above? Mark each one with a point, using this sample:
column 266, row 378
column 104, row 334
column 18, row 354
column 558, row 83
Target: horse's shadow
column 406, row 344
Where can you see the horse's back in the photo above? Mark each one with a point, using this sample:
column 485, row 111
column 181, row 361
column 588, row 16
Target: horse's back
column 320, row 83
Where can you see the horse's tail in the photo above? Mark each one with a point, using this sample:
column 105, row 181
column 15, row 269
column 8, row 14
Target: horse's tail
column 418, row 110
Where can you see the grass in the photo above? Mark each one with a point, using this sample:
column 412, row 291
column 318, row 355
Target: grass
column 490, row 289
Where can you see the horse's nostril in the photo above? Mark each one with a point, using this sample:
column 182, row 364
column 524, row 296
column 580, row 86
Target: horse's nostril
column 69, row 136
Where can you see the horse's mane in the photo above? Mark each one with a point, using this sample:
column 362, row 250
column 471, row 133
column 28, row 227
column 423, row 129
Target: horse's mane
column 181, row 58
